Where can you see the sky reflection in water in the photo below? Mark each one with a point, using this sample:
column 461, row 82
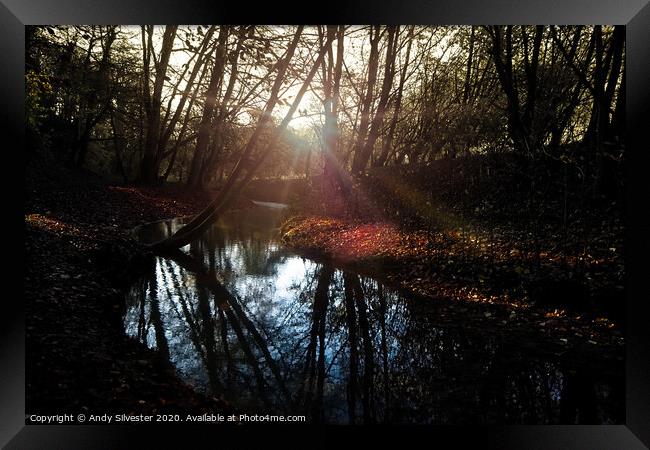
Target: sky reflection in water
column 243, row 318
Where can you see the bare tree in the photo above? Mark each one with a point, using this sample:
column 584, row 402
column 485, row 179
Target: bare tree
column 153, row 99
column 249, row 162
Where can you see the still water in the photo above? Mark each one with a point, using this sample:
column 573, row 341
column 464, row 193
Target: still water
column 243, row 318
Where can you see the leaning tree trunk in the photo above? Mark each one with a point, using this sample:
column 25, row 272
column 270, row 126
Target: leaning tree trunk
column 247, row 165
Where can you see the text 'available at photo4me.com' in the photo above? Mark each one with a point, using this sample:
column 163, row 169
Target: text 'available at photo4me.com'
column 50, row 419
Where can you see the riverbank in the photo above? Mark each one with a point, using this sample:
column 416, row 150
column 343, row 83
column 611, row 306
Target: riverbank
column 80, row 259
column 448, row 231
column 448, row 267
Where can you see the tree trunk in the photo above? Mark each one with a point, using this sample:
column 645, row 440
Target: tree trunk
column 200, row 63
column 373, row 63
column 504, row 70
column 217, row 144
column 117, row 143
column 203, row 139
column 619, row 112
column 531, row 66
column 151, row 159
column 599, row 88
column 364, row 155
column 387, row 146
column 101, row 97
column 247, row 165
column 468, row 71
column 569, row 108
column 618, row 42
column 332, row 170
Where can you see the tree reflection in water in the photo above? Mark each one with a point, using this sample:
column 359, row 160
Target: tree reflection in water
column 240, row 317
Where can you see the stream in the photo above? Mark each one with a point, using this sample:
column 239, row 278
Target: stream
column 245, row 319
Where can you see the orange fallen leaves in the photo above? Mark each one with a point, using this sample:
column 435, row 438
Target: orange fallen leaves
column 53, row 225
column 454, row 264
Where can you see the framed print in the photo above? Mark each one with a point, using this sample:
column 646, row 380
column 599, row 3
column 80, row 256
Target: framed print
column 424, row 219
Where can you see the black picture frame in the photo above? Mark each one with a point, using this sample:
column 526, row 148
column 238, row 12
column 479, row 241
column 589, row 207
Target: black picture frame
column 635, row 14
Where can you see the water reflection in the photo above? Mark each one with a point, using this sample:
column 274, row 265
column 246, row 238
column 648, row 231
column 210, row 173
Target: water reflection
column 242, row 318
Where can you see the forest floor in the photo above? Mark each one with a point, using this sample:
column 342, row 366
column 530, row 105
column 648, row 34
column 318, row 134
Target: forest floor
column 79, row 260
